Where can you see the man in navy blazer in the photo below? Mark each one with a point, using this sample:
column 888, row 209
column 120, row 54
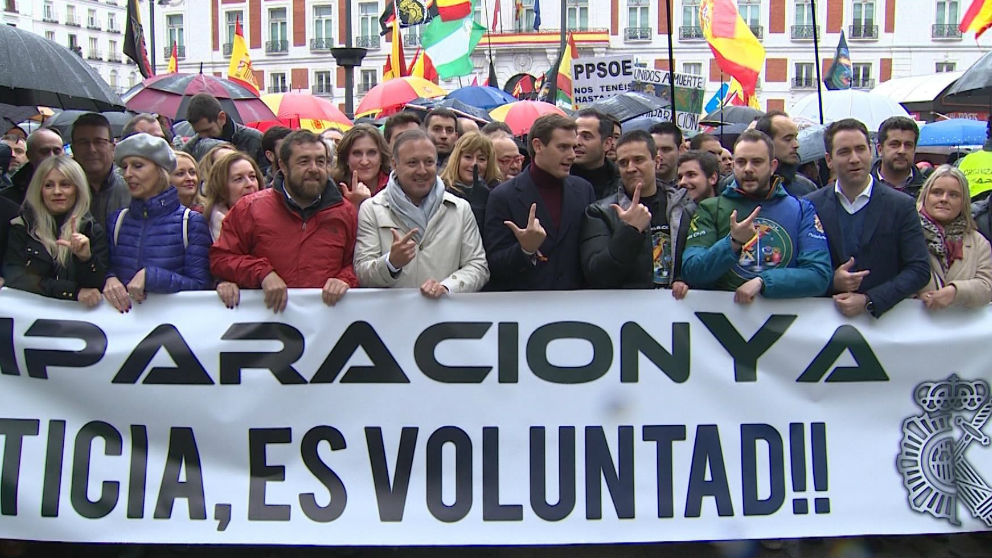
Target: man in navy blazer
column 533, row 220
column 876, row 242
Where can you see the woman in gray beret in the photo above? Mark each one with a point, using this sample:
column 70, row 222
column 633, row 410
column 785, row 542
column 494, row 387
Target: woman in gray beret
column 156, row 244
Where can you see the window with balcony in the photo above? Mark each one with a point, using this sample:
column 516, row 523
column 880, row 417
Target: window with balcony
column 368, row 22
column 692, row 68
column 70, row 16
column 946, row 67
column 369, row 80
column 411, row 36
column 10, row 6
column 864, row 20
column 323, row 29
column 946, row 26
column 112, row 23
column 577, row 15
column 638, row 21
column 73, row 42
column 50, row 35
column 113, row 80
column 322, row 84
column 94, row 50
column 174, row 36
column 805, row 76
column 91, row 21
column 750, row 11
column 803, row 28
column 278, row 32
column 48, row 12
column 132, row 79
column 690, row 29
column 527, row 23
column 113, row 52
column 231, row 20
column 861, row 78
column 277, row 83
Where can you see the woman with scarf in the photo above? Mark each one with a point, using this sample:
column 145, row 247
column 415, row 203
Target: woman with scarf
column 55, row 247
column 960, row 257
column 414, row 234
column 463, row 180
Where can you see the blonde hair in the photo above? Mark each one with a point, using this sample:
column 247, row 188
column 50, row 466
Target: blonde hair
column 470, row 143
column 216, row 183
column 43, row 229
column 196, row 168
column 962, row 180
column 207, row 161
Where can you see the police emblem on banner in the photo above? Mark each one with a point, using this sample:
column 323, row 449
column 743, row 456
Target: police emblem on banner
column 932, row 458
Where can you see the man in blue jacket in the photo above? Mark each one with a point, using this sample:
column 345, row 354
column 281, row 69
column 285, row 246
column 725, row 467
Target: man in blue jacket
column 754, row 237
column 876, row 241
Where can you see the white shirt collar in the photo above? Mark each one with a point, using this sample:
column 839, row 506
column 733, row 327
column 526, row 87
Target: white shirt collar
column 860, row 200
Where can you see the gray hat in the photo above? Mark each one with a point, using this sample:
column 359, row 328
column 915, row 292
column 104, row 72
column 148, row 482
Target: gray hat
column 154, row 149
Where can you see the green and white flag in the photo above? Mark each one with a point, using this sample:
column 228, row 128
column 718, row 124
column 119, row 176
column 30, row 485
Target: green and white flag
column 449, row 44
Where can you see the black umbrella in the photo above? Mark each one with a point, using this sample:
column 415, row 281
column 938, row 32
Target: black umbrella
column 728, row 133
column 458, row 107
column 732, row 115
column 11, row 115
column 630, row 104
column 973, row 90
column 36, row 71
column 64, row 120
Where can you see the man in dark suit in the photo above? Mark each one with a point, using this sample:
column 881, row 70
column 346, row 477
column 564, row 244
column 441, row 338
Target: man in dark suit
column 533, row 220
column 876, row 242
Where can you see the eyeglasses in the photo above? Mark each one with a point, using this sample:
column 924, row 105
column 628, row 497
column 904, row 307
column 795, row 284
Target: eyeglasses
column 85, row 143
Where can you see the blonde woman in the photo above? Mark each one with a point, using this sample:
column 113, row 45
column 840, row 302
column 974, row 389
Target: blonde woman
column 960, row 257
column 187, row 181
column 55, row 248
column 470, row 151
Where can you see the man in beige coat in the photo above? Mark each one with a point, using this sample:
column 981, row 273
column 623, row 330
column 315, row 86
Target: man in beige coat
column 414, row 233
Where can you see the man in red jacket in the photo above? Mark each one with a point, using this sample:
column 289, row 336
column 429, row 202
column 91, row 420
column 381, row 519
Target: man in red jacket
column 298, row 234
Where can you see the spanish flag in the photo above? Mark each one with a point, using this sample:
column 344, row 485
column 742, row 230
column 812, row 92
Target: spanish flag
column 450, row 10
column 978, row 18
column 396, row 61
column 173, row 60
column 422, row 66
column 735, row 48
column 239, row 70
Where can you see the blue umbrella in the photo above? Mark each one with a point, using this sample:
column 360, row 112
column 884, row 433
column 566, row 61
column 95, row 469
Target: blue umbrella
column 482, row 96
column 952, row 132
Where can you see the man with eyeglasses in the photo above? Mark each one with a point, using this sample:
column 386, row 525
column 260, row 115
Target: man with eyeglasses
column 42, row 144
column 508, row 157
column 93, row 149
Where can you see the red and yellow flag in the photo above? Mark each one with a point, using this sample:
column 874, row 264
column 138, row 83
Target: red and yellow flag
column 397, row 64
column 978, row 18
column 239, row 70
column 735, row 48
column 737, row 97
column 422, row 66
column 174, row 60
column 450, row 10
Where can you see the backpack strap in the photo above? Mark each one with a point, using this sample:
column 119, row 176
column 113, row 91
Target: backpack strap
column 186, row 228
column 118, row 223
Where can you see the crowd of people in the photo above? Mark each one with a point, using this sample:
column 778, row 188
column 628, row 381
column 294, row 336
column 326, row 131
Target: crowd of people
column 440, row 205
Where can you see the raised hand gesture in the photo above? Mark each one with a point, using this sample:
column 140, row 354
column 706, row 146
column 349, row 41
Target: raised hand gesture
column 78, row 243
column 742, row 232
column 357, row 192
column 404, row 248
column 531, row 236
column 636, row 215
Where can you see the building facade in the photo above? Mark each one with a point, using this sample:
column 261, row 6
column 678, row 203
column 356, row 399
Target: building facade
column 290, row 40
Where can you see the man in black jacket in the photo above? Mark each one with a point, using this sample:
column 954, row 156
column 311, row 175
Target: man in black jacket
column 531, row 232
column 595, row 135
column 209, row 120
column 633, row 238
column 896, row 166
column 784, row 133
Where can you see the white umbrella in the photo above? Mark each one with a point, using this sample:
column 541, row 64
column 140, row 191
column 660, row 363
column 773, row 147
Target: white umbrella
column 849, row 103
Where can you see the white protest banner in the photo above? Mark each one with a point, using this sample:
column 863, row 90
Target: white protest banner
column 601, row 77
column 689, row 92
column 492, row 418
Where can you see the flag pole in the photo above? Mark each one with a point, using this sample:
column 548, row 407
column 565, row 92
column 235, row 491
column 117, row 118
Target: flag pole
column 816, row 62
column 671, row 57
column 151, row 31
column 489, row 37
